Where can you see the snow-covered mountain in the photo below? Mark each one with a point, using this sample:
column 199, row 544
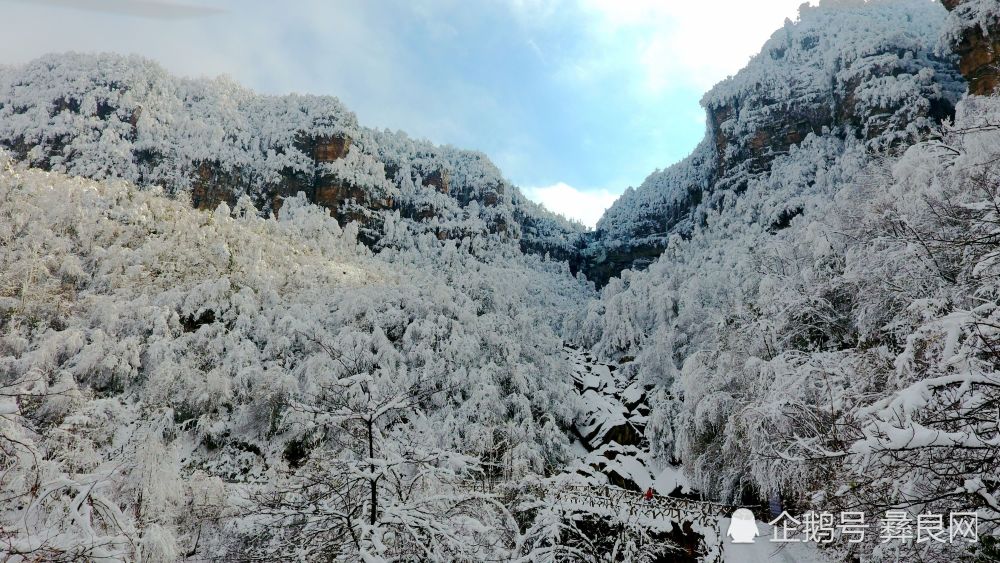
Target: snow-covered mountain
column 244, row 327
column 870, row 73
column 110, row 116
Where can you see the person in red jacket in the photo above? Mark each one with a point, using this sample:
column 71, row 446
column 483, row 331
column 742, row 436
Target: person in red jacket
column 649, row 494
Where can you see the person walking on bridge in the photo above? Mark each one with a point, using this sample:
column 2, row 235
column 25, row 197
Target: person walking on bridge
column 648, row 496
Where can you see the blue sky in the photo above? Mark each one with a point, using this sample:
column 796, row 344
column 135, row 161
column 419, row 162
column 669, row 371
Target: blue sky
column 575, row 100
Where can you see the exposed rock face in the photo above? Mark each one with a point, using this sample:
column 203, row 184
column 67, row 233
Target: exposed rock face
column 977, row 45
column 325, row 148
column 832, row 74
column 980, row 62
column 211, row 186
column 439, row 180
column 214, row 183
column 601, row 263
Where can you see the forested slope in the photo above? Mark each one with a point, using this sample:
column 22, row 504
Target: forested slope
column 842, row 355
column 167, row 371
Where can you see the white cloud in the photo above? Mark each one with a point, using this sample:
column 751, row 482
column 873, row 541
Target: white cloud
column 693, row 44
column 154, row 9
column 585, row 206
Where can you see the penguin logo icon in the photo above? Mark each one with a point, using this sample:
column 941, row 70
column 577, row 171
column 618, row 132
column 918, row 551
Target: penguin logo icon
column 743, row 526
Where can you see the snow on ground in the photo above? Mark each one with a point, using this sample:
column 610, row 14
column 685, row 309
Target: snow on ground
column 762, row 550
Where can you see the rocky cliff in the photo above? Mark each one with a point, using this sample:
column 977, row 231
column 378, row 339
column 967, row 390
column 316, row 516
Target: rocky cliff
column 868, row 73
column 974, row 35
column 110, row 116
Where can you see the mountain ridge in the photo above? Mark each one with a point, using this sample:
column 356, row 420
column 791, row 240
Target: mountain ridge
column 881, row 77
column 104, row 116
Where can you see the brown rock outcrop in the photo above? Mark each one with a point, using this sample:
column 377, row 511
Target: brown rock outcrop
column 980, row 62
column 326, row 148
column 212, row 185
column 979, row 53
column 319, row 188
column 439, row 179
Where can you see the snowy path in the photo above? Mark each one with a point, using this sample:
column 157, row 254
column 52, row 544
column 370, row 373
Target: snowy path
column 764, row 551
column 708, row 519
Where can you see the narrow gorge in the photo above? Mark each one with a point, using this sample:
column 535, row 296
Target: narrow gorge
column 247, row 327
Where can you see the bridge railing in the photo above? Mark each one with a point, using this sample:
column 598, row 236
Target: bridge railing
column 633, row 503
